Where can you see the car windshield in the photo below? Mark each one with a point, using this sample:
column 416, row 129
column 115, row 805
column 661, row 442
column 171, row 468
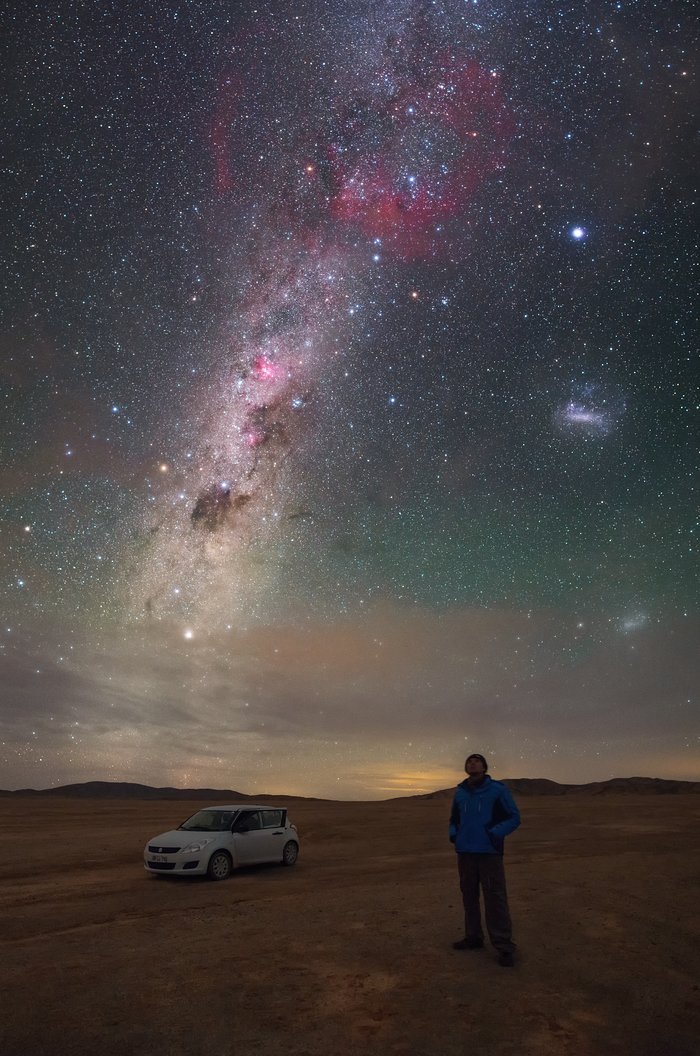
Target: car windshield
column 209, row 821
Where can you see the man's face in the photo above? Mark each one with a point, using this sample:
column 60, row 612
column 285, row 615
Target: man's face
column 475, row 768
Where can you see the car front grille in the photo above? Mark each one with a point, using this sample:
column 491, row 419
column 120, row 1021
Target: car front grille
column 162, row 850
column 161, row 865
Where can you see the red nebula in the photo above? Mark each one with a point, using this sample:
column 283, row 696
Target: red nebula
column 224, row 115
column 255, row 437
column 236, row 85
column 400, row 190
column 264, row 369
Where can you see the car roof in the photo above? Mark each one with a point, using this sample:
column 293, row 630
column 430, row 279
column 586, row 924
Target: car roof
column 245, row 806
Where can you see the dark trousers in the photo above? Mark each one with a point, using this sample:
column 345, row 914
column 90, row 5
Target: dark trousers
column 485, row 872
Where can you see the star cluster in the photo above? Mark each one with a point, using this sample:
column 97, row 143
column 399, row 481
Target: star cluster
column 348, row 387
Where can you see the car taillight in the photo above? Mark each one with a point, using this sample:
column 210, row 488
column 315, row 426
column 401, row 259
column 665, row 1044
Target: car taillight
column 294, row 827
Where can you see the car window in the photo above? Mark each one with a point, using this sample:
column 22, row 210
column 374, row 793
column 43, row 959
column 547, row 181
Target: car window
column 208, row 821
column 272, row 819
column 252, row 819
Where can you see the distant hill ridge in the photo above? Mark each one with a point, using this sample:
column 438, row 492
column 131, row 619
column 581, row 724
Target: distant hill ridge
column 522, row 786
column 542, row 786
column 129, row 790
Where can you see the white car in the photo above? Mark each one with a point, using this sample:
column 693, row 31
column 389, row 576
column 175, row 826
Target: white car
column 216, row 840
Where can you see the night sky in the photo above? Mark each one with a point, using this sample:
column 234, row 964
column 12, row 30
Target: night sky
column 347, row 368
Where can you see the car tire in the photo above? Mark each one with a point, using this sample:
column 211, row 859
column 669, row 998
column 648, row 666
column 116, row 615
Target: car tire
column 290, row 853
column 220, row 866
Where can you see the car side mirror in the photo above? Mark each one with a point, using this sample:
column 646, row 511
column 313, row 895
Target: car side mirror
column 243, row 826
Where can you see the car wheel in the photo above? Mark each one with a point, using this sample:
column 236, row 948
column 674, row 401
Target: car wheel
column 290, row 852
column 220, row 866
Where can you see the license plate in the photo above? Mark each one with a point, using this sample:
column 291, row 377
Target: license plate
column 159, row 858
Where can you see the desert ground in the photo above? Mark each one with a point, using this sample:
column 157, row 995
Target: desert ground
column 350, row 950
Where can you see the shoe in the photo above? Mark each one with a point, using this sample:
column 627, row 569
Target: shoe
column 506, row 959
column 468, row 944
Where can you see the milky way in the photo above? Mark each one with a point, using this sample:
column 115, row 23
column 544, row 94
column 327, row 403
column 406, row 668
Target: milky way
column 348, row 371
column 236, row 482
column 393, row 162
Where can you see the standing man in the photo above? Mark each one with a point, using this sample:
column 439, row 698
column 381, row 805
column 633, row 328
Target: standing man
column 483, row 814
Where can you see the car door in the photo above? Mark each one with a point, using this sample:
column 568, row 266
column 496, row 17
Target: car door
column 274, row 828
column 249, row 838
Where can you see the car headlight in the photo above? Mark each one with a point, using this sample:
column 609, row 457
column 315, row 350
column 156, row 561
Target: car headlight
column 193, row 848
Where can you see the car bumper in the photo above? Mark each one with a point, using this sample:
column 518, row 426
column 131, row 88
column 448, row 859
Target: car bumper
column 174, row 865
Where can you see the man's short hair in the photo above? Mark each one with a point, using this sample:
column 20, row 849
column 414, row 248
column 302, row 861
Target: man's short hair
column 475, row 755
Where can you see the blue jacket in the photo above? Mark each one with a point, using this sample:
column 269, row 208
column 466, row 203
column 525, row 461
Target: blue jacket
column 482, row 817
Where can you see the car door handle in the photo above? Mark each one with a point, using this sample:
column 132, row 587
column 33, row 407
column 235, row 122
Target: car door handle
column 280, row 833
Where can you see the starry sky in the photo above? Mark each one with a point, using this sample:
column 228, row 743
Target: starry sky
column 348, row 393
